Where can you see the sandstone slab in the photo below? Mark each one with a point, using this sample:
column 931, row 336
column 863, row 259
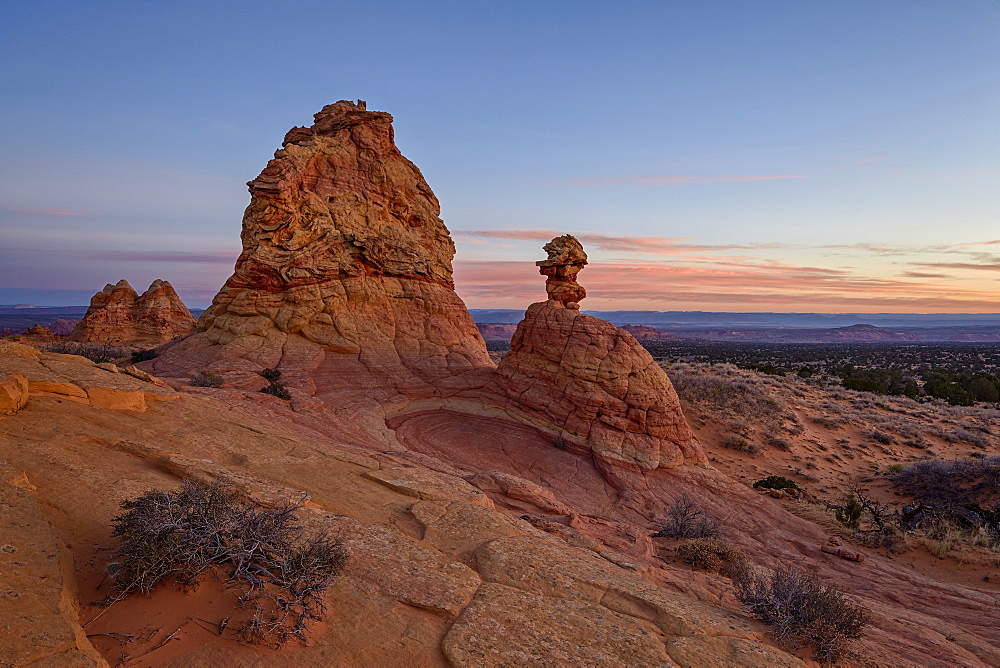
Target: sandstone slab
column 13, row 393
column 504, row 626
column 428, row 485
column 38, row 616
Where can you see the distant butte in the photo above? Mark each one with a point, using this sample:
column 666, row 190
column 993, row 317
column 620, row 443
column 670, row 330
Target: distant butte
column 119, row 315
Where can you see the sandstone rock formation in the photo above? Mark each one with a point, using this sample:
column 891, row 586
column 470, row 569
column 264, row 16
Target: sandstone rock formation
column 39, row 334
column 118, row 315
column 13, row 393
column 345, row 261
column 592, row 383
column 566, row 259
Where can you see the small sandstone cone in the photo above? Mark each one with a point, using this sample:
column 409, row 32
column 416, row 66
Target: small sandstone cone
column 39, row 334
column 118, row 315
column 584, row 378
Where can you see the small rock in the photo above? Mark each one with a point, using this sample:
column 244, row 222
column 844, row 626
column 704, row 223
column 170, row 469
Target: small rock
column 13, row 393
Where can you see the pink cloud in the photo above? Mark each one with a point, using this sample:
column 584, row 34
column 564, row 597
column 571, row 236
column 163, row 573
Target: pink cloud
column 646, row 245
column 673, row 180
column 870, row 160
column 43, row 211
column 722, row 286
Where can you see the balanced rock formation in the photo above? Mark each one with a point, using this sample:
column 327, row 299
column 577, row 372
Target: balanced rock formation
column 592, row 383
column 345, row 260
column 566, row 259
column 119, row 315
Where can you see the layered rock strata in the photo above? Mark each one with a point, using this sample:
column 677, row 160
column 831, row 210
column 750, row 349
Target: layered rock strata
column 345, row 260
column 118, row 315
column 592, row 383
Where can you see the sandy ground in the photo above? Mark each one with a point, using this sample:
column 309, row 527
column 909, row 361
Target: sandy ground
column 826, row 438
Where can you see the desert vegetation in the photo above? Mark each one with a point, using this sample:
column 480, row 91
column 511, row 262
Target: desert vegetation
column 95, row 352
column 958, row 373
column 279, row 572
column 906, row 475
column 800, row 610
column 686, row 519
column 274, row 387
column 206, row 379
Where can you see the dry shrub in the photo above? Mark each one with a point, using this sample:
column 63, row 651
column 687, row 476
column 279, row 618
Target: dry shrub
column 801, row 610
column 828, row 421
column 95, row 352
column 781, row 443
column 205, row 379
column 740, row 444
column 880, row 436
column 276, row 389
column 685, row 519
column 712, row 554
column 945, row 484
column 742, row 396
column 280, row 573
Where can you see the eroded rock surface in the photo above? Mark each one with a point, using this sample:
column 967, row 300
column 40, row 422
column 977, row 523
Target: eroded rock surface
column 119, row 315
column 584, row 378
column 437, row 574
column 13, row 393
column 39, row 625
column 346, row 266
column 26, row 372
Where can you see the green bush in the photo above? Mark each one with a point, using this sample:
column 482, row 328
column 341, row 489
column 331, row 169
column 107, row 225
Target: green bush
column 278, row 390
column 280, row 574
column 775, row 482
column 271, row 374
column 850, row 514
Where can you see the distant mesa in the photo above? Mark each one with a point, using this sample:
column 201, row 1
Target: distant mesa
column 857, row 328
column 118, row 315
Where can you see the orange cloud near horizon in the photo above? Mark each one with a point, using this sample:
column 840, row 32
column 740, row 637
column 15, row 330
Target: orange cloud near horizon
column 721, row 287
column 672, row 180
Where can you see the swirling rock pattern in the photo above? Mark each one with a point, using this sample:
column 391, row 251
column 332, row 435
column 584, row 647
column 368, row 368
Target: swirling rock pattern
column 344, row 253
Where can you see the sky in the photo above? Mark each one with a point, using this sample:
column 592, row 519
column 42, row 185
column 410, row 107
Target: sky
column 831, row 155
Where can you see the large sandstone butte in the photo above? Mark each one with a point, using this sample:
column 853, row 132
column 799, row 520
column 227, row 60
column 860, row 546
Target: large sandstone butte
column 346, row 267
column 119, row 315
column 592, row 383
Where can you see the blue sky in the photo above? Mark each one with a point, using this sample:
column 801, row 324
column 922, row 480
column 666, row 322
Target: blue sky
column 779, row 156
